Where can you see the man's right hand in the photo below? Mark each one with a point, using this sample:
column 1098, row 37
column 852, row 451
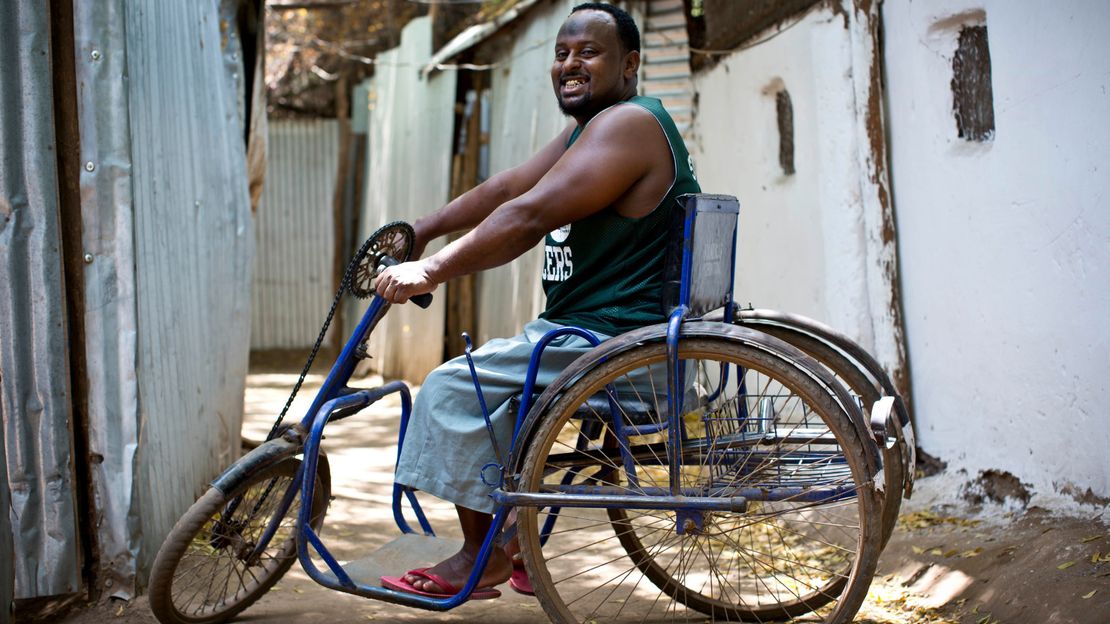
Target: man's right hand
column 399, row 283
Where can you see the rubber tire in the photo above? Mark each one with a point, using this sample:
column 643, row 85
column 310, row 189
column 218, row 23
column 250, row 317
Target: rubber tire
column 851, row 590
column 193, row 522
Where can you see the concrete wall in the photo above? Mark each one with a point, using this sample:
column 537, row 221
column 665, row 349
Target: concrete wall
column 810, row 242
column 1005, row 244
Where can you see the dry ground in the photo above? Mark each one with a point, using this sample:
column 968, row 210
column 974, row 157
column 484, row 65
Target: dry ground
column 946, row 563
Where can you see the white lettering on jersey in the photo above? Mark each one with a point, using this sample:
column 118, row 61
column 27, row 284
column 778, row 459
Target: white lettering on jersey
column 557, row 263
column 560, row 235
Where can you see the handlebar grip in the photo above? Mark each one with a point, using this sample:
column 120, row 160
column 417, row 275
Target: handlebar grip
column 423, row 300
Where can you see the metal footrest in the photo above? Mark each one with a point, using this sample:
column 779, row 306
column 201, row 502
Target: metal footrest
column 408, row 551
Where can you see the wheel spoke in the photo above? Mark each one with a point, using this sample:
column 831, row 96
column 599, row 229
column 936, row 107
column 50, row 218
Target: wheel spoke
column 781, row 557
column 202, row 573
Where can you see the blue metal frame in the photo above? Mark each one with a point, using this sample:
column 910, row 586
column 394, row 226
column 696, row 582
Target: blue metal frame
column 334, row 396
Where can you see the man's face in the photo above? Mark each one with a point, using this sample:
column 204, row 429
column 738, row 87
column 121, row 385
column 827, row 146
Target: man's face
column 591, row 70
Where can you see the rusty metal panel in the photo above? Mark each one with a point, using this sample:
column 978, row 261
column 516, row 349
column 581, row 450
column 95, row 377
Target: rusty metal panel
column 295, row 235
column 411, row 122
column 167, row 227
column 39, row 543
column 524, row 117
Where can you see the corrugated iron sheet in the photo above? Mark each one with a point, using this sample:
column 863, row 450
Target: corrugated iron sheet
column 411, row 128
column 38, row 545
column 295, row 235
column 167, row 222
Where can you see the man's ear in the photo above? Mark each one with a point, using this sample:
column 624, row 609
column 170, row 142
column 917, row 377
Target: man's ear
column 632, row 64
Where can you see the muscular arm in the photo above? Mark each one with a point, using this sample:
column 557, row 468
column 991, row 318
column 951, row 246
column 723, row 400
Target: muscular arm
column 470, row 208
column 619, row 148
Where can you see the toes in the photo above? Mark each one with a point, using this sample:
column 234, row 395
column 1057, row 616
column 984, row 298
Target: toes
column 426, row 586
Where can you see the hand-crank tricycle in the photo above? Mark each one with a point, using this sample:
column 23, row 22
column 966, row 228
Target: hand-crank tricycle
column 729, row 464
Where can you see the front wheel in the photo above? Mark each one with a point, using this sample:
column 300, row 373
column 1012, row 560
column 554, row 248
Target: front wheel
column 755, row 425
column 206, row 571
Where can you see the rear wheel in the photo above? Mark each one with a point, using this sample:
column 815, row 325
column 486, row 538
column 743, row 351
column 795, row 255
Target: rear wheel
column 812, row 541
column 867, row 391
column 206, row 571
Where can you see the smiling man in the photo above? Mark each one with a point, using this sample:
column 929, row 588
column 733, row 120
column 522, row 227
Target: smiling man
column 600, row 196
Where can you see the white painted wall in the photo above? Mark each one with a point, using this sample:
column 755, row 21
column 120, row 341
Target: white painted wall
column 1005, row 246
column 802, row 239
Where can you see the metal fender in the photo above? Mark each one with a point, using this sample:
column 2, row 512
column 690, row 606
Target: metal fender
column 695, row 329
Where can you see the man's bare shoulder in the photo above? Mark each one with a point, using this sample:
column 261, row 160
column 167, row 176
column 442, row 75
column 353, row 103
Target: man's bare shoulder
column 621, row 118
column 626, row 133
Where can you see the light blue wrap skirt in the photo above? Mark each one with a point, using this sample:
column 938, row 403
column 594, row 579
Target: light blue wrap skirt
column 447, row 442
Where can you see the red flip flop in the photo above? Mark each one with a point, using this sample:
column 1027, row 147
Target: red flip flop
column 398, row 583
column 519, row 581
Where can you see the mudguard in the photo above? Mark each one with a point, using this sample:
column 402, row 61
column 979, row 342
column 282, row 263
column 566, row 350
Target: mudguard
column 693, row 329
column 268, row 454
column 855, row 354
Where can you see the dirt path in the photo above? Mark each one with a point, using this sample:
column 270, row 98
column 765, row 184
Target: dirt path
column 941, row 566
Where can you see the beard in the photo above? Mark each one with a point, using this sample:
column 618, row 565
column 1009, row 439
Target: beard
column 578, row 107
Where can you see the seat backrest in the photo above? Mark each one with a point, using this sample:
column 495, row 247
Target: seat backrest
column 700, row 264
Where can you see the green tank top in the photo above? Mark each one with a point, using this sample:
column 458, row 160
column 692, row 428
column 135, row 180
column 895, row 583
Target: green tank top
column 605, row 272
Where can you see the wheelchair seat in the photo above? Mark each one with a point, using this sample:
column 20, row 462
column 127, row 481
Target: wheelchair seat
column 698, row 273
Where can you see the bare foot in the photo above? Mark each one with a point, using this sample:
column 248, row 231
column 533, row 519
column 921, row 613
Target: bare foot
column 456, row 570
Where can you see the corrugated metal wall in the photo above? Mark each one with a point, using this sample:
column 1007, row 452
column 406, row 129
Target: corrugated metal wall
column 295, row 235
column 193, row 246
column 525, row 117
column 167, row 224
column 411, row 130
column 38, row 543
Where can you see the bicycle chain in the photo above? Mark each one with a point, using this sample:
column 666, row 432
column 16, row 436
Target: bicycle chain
column 344, row 285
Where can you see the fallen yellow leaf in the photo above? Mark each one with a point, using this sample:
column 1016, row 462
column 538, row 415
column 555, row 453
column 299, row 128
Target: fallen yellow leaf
column 951, row 553
column 917, row 550
column 1089, row 594
column 971, row 553
column 1094, row 557
column 936, row 552
column 1065, row 566
column 1087, row 540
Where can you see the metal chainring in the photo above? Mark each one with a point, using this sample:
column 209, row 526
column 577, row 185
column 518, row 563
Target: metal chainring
column 393, row 240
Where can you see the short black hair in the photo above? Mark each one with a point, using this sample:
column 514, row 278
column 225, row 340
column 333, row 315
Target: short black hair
column 626, row 26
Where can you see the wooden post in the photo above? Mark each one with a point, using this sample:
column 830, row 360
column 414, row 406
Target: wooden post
column 461, row 292
column 339, row 209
